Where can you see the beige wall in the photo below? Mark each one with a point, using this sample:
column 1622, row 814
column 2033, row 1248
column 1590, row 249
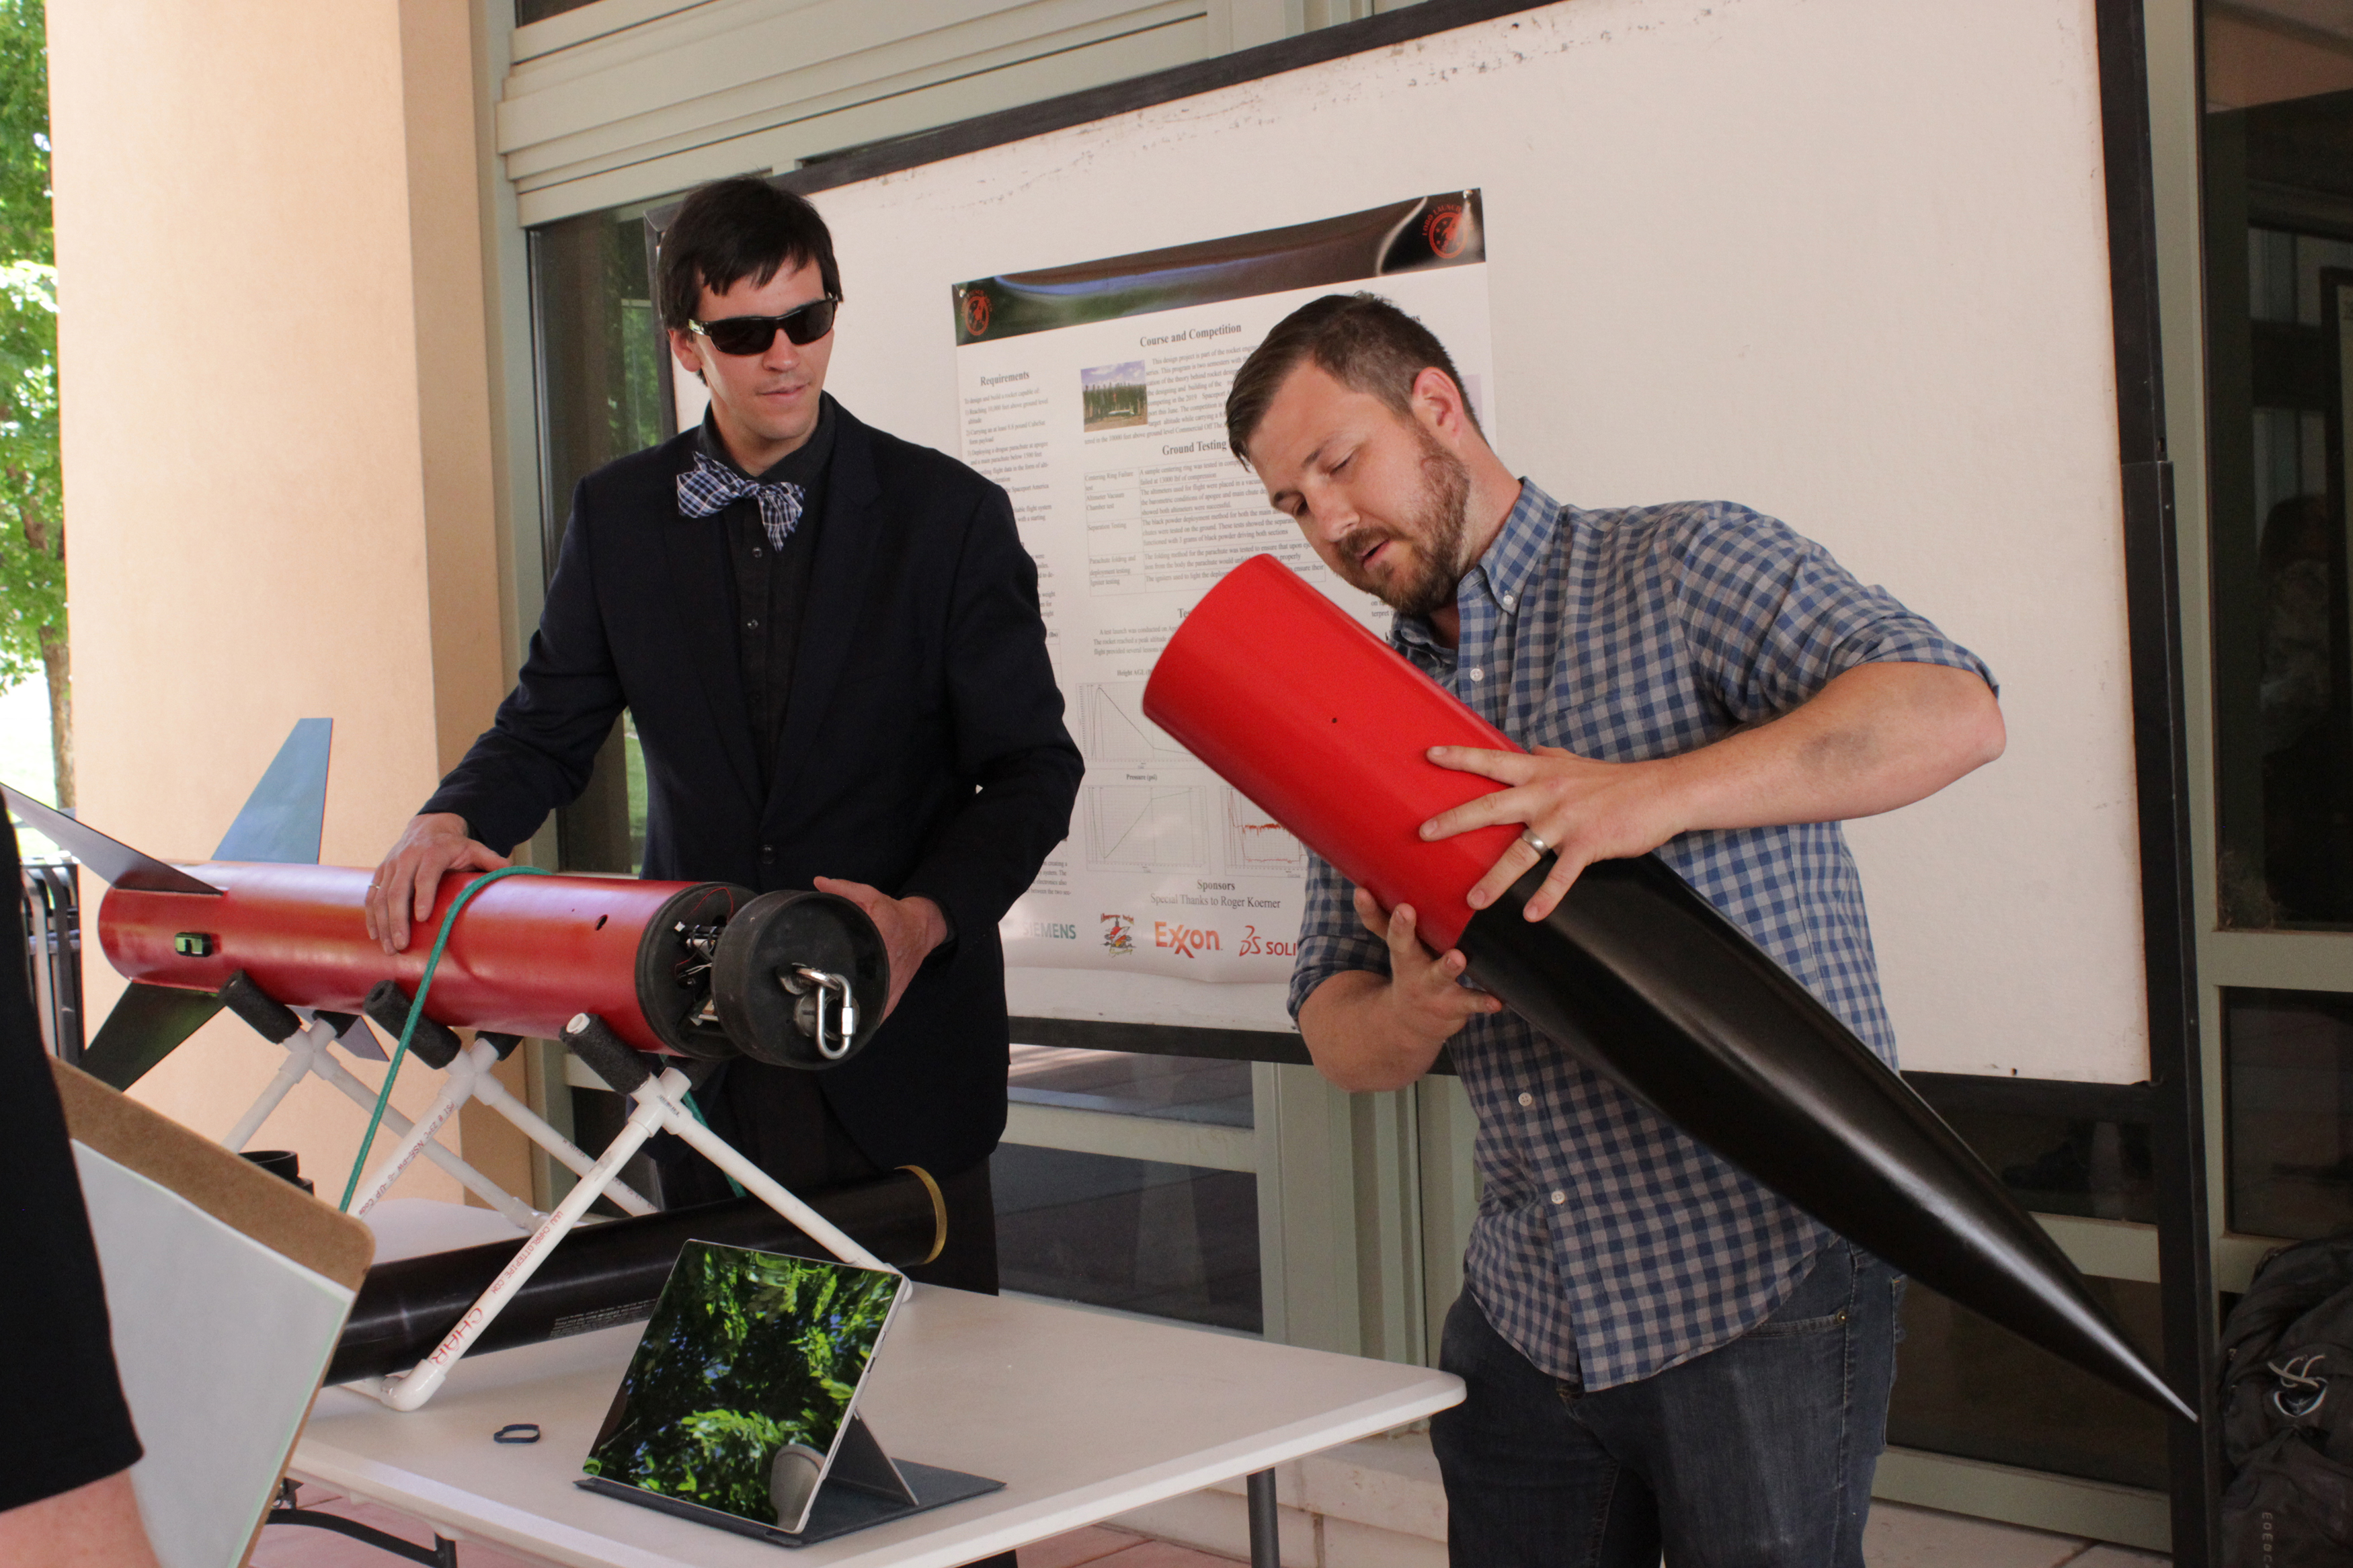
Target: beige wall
column 2254, row 58
column 278, row 483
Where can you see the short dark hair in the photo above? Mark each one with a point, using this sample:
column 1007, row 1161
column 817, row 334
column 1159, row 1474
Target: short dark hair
column 733, row 229
column 1360, row 340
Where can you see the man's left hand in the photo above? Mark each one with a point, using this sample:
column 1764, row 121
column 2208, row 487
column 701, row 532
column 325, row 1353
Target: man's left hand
column 1874, row 738
column 1585, row 810
column 911, row 929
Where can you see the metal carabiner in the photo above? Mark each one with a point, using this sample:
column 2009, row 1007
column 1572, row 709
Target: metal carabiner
column 845, row 1010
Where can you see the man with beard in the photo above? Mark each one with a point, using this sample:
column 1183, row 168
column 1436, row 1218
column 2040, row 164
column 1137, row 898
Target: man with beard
column 1660, row 1352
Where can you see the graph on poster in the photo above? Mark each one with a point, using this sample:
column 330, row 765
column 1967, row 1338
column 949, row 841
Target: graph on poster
column 1146, row 828
column 1114, row 729
column 1255, row 841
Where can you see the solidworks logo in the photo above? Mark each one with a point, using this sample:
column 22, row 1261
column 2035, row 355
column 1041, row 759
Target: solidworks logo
column 1185, row 939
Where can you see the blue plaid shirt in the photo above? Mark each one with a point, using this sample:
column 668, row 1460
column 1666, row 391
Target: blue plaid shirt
column 1609, row 1246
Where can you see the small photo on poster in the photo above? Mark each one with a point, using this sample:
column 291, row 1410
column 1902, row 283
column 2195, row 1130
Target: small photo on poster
column 1114, row 397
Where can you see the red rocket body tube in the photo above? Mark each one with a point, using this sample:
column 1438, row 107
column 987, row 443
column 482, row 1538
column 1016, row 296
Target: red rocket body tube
column 1326, row 728
column 524, row 958
column 1320, row 722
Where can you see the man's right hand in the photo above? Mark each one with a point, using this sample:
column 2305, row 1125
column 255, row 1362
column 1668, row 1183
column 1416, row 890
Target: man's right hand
column 1368, row 1031
column 405, row 885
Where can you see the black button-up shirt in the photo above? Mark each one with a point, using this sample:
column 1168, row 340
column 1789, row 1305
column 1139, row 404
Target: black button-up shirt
column 772, row 584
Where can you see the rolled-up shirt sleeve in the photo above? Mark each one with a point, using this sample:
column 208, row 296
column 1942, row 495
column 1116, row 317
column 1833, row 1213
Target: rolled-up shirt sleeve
column 1330, row 938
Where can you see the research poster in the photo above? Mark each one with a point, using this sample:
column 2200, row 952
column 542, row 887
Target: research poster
column 1095, row 394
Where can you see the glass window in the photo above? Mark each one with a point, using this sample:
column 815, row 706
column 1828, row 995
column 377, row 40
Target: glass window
column 1173, row 1088
column 2280, row 205
column 1142, row 1235
column 1965, row 1387
column 600, row 375
column 2288, row 1066
column 601, row 398
column 2065, row 1165
column 529, row 11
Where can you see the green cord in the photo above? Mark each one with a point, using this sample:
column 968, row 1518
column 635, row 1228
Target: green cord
column 416, row 1011
column 696, row 1112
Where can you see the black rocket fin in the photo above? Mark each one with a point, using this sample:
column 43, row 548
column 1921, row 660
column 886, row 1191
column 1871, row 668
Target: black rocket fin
column 283, row 818
column 145, row 1027
column 118, row 863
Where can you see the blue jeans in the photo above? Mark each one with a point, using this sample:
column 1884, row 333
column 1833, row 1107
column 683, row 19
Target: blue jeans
column 1756, row 1455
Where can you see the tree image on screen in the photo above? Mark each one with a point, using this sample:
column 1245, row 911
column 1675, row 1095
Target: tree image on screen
column 742, row 1380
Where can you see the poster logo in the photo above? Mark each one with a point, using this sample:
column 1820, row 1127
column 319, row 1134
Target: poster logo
column 1448, row 231
column 977, row 308
column 1189, row 941
column 1119, row 934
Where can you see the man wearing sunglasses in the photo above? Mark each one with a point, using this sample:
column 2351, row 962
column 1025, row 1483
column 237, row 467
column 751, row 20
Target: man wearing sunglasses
column 831, row 645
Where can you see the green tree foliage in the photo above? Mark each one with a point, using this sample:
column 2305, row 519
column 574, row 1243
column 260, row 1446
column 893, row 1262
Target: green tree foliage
column 32, row 563
column 32, row 509
column 748, row 1352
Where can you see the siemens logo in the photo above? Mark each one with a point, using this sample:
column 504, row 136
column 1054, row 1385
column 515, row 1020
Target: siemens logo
column 1050, row 931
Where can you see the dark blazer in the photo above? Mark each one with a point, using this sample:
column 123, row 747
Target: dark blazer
column 923, row 748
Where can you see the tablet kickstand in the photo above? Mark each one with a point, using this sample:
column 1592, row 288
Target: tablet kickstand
column 861, row 1462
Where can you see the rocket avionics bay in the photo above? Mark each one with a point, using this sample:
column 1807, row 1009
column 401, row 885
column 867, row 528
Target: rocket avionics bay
column 1637, row 973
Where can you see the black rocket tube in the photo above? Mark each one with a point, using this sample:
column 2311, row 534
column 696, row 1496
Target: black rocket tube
column 609, row 1273
column 1325, row 728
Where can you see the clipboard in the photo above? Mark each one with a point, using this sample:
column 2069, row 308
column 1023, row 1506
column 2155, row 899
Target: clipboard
column 228, row 1288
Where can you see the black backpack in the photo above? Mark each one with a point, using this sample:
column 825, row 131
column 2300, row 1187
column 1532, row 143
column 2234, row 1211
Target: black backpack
column 2287, row 1412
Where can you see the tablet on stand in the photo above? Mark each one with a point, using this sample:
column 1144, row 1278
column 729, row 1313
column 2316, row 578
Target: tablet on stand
column 740, row 1408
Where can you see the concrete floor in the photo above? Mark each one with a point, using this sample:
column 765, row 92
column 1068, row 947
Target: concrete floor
column 1899, row 1537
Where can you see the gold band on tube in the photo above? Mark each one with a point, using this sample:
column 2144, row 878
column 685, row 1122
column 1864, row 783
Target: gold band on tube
column 939, row 1215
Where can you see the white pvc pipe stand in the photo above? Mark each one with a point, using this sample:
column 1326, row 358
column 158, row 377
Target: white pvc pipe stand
column 457, row 1088
column 469, row 1077
column 496, row 1095
column 307, row 1052
column 660, row 1108
column 301, row 1050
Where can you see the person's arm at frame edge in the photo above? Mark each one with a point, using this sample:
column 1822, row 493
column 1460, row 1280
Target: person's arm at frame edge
column 70, row 1503
column 93, row 1526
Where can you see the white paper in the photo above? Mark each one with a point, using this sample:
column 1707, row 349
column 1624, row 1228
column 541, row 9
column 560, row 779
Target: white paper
column 1168, row 870
column 221, row 1342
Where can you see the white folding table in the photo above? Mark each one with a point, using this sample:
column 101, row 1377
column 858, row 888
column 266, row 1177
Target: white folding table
column 1082, row 1415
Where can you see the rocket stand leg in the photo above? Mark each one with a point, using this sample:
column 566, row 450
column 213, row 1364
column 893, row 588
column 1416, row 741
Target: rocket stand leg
column 307, row 1052
column 489, row 1091
column 302, row 1051
column 411, row 1390
column 520, row 1215
column 469, row 1078
column 672, row 1087
column 456, row 1089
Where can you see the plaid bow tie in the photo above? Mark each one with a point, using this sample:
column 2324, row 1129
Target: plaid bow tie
column 709, row 488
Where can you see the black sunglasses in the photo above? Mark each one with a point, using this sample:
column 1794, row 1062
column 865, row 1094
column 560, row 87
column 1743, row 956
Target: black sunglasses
column 753, row 334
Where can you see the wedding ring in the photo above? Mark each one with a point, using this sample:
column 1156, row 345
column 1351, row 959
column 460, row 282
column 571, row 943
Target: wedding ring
column 1528, row 836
